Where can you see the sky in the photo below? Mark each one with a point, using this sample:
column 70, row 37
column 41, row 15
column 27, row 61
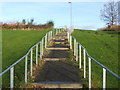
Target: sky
column 86, row 15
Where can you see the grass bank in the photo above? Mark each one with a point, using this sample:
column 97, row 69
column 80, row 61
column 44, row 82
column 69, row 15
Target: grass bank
column 103, row 46
column 16, row 44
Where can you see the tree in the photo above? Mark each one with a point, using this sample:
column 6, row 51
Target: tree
column 23, row 21
column 119, row 12
column 109, row 13
column 50, row 23
column 31, row 21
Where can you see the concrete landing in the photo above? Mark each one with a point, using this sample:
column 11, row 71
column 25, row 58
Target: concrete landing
column 60, row 85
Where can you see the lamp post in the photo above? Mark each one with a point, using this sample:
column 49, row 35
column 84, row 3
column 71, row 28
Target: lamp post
column 71, row 26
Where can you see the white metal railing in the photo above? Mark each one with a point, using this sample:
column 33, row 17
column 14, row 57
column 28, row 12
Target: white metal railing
column 77, row 48
column 42, row 44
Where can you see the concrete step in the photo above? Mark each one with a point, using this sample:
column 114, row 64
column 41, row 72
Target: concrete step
column 54, row 59
column 57, row 48
column 54, row 45
column 62, row 38
column 66, row 85
column 58, row 54
column 59, row 42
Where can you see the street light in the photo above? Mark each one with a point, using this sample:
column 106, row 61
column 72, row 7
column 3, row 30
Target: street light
column 71, row 26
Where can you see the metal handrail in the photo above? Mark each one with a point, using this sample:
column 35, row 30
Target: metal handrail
column 18, row 60
column 3, row 72
column 114, row 74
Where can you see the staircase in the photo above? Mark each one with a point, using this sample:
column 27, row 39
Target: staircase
column 57, row 71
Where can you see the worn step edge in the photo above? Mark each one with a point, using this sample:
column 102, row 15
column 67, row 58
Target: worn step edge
column 59, row 42
column 59, row 38
column 57, row 48
column 59, row 85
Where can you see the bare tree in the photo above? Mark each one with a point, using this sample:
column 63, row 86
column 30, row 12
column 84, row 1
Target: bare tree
column 109, row 13
column 119, row 12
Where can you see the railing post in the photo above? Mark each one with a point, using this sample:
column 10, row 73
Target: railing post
column 31, row 61
column 41, row 49
column 0, row 82
column 74, row 46
column 80, row 56
column 68, row 36
column 89, row 72
column 37, row 54
column 56, row 32
column 42, row 45
column 12, row 77
column 51, row 34
column 76, row 51
column 48, row 36
column 70, row 42
column 104, row 78
column 45, row 40
column 84, row 63
column 26, row 69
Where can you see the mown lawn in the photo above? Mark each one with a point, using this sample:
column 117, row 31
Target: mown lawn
column 15, row 44
column 102, row 46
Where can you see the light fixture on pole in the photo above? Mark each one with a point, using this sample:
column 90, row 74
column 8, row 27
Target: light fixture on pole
column 71, row 26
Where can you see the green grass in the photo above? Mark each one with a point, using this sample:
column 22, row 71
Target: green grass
column 102, row 46
column 16, row 44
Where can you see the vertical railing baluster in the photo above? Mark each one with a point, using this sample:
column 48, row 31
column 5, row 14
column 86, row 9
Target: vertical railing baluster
column 42, row 45
column 45, row 40
column 56, row 32
column 48, row 36
column 76, row 51
column 74, row 46
column 104, row 78
column 51, row 34
column 68, row 36
column 37, row 54
column 84, row 63
column 26, row 69
column 12, row 77
column 31, row 61
column 70, row 42
column 80, row 56
column 0, row 82
column 41, row 49
column 89, row 72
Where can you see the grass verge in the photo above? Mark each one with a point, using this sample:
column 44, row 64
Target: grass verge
column 103, row 46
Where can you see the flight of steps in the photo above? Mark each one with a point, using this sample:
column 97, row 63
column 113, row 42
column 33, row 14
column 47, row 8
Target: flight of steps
column 56, row 72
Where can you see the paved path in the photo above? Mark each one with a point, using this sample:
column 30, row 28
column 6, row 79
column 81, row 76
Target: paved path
column 57, row 72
